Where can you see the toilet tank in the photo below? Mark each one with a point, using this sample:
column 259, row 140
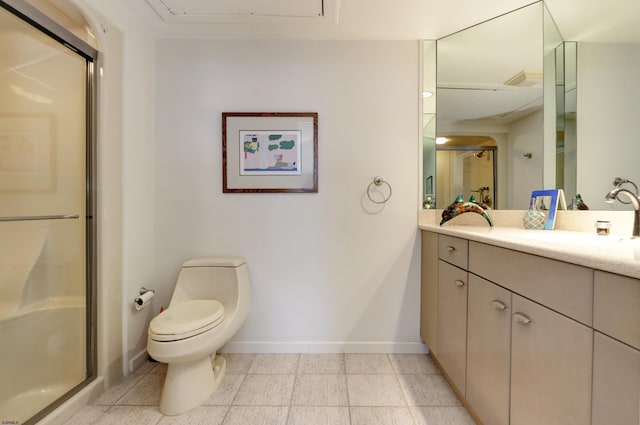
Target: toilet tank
column 221, row 279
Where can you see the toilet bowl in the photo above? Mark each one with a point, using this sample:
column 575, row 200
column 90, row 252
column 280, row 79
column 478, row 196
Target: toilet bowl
column 209, row 304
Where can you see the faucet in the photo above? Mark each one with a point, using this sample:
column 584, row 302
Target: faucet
column 633, row 197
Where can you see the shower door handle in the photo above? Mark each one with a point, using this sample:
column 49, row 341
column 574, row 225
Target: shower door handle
column 40, row 217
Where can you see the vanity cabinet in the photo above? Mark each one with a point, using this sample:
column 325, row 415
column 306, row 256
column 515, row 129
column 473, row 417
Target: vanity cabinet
column 550, row 367
column 429, row 291
column 515, row 335
column 488, row 350
column 616, row 382
column 452, row 322
column 616, row 356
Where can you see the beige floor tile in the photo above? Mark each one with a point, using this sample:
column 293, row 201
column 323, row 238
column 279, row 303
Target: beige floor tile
column 275, row 363
column 115, row 393
column 413, row 364
column 238, row 364
column 427, row 390
column 316, row 364
column 226, row 392
column 320, row 390
column 203, row 415
column 146, row 367
column 361, row 364
column 441, row 416
column 88, row 415
column 258, row 415
column 139, row 415
column 318, row 416
column 381, row 415
column 160, row 368
column 265, row 390
column 146, row 392
column 374, row 390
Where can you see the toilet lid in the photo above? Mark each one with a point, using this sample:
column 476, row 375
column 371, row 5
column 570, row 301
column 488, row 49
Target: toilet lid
column 186, row 319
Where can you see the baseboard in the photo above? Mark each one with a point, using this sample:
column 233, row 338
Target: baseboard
column 138, row 360
column 324, row 347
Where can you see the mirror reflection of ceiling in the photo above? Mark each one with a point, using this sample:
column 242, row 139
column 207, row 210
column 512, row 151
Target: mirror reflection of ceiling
column 482, row 79
column 580, row 20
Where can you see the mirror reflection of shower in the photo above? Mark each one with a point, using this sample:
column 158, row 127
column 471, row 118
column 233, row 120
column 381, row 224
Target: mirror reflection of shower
column 468, row 167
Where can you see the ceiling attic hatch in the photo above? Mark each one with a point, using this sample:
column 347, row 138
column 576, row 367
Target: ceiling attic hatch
column 243, row 10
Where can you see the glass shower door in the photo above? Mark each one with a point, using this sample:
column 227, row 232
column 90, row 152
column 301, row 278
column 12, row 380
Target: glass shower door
column 44, row 237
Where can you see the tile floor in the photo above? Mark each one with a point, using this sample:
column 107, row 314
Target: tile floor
column 295, row 389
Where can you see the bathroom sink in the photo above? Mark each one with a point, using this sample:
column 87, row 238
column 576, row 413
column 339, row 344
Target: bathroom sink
column 610, row 245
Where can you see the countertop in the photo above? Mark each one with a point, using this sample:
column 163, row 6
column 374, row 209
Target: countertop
column 614, row 253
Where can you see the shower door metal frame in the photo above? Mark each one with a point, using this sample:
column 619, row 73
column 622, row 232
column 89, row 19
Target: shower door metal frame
column 43, row 23
column 492, row 149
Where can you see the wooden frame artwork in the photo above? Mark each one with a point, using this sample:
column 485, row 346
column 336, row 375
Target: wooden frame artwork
column 269, row 152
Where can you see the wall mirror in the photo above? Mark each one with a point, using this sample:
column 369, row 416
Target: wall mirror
column 490, row 93
column 560, row 113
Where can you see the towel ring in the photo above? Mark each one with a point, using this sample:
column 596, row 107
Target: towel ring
column 379, row 181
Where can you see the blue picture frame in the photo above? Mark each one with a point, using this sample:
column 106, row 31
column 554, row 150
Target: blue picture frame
column 547, row 201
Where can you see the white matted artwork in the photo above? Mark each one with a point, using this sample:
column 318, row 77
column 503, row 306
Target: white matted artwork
column 27, row 151
column 269, row 152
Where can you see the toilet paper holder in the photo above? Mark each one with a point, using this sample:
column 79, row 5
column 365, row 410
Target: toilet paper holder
column 144, row 298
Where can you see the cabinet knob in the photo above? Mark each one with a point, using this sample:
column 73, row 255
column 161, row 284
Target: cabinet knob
column 521, row 318
column 458, row 283
column 498, row 305
column 450, row 248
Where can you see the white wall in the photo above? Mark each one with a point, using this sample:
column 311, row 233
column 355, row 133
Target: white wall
column 525, row 175
column 608, row 124
column 330, row 271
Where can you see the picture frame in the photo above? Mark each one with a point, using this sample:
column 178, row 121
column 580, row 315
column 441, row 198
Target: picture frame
column 270, row 152
column 548, row 201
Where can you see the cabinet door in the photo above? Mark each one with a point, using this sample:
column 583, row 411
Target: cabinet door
column 452, row 322
column 551, row 359
column 429, row 291
column 616, row 382
column 488, row 351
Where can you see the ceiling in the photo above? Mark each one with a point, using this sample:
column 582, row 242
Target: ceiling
column 581, row 20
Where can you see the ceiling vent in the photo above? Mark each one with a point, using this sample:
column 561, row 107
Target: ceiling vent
column 240, row 10
column 525, row 79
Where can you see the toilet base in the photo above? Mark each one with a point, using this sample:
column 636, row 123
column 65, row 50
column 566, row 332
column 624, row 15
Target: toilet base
column 188, row 385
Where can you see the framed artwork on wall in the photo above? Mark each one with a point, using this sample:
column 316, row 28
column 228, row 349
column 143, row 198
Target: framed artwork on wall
column 270, row 152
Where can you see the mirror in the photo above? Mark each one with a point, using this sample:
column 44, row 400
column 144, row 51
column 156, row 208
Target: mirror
column 589, row 136
column 490, row 86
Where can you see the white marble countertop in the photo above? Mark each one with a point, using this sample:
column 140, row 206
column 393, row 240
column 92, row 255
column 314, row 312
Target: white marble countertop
column 613, row 253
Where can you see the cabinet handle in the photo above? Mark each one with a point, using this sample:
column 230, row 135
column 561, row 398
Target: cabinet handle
column 521, row 318
column 498, row 305
column 458, row 283
column 451, row 248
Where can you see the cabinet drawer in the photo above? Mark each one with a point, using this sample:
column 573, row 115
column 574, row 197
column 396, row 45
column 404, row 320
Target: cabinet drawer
column 563, row 287
column 616, row 307
column 453, row 250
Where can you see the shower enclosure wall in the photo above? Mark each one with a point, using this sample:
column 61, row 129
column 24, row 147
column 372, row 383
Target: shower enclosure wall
column 47, row 235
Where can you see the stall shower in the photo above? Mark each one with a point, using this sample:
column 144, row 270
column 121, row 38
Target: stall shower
column 47, row 230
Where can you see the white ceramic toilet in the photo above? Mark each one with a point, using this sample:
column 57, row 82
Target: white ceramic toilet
column 209, row 304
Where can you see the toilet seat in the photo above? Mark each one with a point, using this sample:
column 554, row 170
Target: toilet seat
column 186, row 319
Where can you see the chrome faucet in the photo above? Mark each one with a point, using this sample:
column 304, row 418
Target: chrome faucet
column 633, row 197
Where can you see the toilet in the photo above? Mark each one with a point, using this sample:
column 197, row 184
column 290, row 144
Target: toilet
column 209, row 304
